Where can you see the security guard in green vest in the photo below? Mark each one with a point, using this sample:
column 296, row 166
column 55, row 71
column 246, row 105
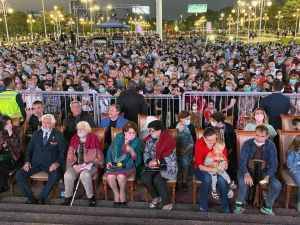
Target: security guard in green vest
column 11, row 103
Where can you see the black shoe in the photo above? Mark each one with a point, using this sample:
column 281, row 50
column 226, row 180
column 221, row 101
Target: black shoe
column 31, row 201
column 122, row 204
column 92, row 201
column 117, row 204
column 67, row 201
column 42, row 201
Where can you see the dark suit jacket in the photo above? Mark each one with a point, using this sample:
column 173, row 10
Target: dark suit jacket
column 274, row 105
column 40, row 155
column 132, row 104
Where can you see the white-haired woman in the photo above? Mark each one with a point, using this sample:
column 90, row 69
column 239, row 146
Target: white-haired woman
column 84, row 157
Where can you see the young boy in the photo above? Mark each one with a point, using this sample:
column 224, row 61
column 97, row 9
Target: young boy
column 216, row 159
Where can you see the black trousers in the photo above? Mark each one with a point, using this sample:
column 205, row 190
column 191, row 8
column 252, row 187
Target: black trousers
column 5, row 169
column 156, row 185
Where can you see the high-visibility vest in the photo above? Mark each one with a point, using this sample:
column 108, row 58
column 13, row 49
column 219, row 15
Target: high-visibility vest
column 9, row 105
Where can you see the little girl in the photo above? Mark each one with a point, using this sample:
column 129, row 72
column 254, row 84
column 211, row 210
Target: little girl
column 293, row 164
column 216, row 159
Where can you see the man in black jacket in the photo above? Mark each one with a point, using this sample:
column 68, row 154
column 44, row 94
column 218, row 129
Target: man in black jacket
column 77, row 116
column 132, row 103
column 276, row 104
column 45, row 152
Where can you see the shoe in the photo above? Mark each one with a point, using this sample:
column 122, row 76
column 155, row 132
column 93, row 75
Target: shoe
column 67, row 201
column 123, row 204
column 230, row 194
column 117, row 204
column 155, row 202
column 32, row 201
column 267, row 211
column 92, row 201
column 42, row 201
column 202, row 210
column 239, row 209
column 167, row 207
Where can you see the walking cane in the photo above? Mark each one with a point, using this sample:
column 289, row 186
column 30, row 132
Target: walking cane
column 75, row 192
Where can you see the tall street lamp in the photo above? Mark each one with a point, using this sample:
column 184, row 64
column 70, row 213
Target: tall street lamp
column 297, row 15
column 5, row 11
column 44, row 18
column 279, row 16
column 263, row 4
column 31, row 21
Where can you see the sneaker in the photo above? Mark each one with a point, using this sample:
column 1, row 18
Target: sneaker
column 230, row 194
column 215, row 195
column 167, row 207
column 239, row 208
column 155, row 202
column 267, row 211
column 67, row 201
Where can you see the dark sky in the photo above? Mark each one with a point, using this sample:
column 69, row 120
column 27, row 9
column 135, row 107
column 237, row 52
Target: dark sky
column 172, row 8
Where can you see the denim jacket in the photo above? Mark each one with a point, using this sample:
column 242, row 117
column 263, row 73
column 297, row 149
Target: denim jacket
column 269, row 155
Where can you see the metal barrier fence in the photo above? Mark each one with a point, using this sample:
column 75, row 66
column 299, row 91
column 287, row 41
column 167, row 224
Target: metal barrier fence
column 58, row 103
column 238, row 107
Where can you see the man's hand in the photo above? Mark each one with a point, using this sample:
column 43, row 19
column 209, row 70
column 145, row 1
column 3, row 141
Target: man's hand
column 248, row 180
column 180, row 126
column 27, row 166
column 53, row 167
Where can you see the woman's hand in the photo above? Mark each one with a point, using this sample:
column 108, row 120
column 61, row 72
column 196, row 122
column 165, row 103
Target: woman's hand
column 108, row 165
column 153, row 164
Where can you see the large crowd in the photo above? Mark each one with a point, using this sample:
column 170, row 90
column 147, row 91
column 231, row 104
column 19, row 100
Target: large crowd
column 145, row 66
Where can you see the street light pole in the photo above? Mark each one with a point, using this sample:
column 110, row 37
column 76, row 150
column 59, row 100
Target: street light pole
column 159, row 22
column 44, row 18
column 4, row 8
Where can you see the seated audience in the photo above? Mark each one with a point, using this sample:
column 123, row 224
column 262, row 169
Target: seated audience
column 260, row 118
column 160, row 165
column 84, row 158
column 216, row 159
column 10, row 150
column 45, row 152
column 203, row 147
column 186, row 138
column 293, row 164
column 115, row 120
column 123, row 158
column 258, row 165
column 77, row 116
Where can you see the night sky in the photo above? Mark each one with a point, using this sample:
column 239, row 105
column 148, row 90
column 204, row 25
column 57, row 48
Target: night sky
column 172, row 8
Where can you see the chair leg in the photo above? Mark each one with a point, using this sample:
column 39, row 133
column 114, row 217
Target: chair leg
column 131, row 190
column 288, row 190
column 194, row 192
column 105, row 190
column 173, row 192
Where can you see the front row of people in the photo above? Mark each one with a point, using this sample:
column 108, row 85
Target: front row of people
column 47, row 149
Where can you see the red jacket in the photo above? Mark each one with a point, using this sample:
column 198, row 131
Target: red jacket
column 201, row 151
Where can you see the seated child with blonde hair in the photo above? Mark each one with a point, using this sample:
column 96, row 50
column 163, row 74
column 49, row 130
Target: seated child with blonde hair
column 216, row 159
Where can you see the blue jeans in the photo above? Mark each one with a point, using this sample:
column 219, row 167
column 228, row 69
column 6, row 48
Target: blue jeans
column 22, row 176
column 274, row 188
column 205, row 189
